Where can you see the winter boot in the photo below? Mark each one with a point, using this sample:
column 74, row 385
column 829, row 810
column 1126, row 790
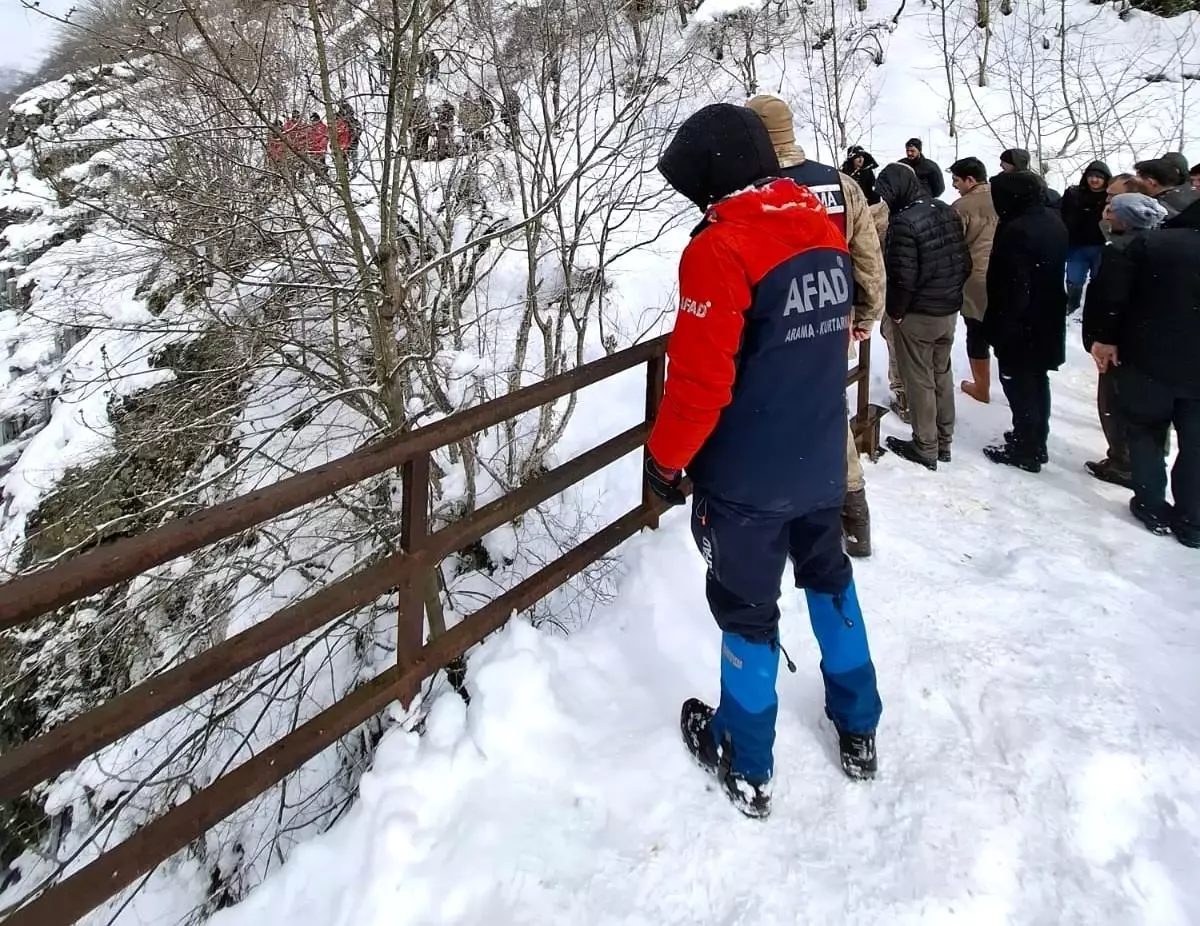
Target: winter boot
column 944, row 455
column 1107, row 471
column 1042, row 454
column 859, row 761
column 856, row 523
column 907, row 450
column 1011, row 454
column 695, row 723
column 1187, row 533
column 1074, row 298
column 1155, row 516
column 981, row 389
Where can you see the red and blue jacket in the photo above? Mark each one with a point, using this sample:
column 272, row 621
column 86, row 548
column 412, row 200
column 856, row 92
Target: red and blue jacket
column 755, row 400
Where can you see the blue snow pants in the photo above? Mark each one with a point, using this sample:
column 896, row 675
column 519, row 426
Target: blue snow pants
column 1083, row 262
column 746, row 555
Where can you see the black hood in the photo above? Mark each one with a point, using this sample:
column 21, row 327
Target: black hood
column 1017, row 192
column 869, row 162
column 898, row 186
column 1096, row 167
column 1017, row 157
column 1181, row 164
column 718, row 150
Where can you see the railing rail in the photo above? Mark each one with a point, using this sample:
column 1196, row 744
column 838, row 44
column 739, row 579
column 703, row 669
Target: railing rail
column 29, row 597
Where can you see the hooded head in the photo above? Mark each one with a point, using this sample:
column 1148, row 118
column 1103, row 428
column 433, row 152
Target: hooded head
column 858, row 151
column 1016, row 193
column 1015, row 158
column 777, row 117
column 1136, row 212
column 718, row 150
column 1096, row 169
column 1180, row 162
column 898, row 186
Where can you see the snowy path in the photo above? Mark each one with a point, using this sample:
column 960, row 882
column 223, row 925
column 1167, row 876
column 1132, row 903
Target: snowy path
column 1038, row 656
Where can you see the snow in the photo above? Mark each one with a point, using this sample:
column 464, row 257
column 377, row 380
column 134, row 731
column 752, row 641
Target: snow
column 714, row 10
column 1040, row 749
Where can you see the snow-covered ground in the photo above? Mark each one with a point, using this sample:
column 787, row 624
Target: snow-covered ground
column 1040, row 744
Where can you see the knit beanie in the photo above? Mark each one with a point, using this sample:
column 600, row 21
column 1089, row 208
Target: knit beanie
column 1137, row 211
column 914, row 143
column 777, row 117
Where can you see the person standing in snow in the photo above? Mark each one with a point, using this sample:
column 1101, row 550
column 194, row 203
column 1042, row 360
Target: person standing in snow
column 847, row 206
column 929, row 175
column 1161, row 179
column 420, row 127
column 318, row 142
column 1129, row 216
column 1014, row 159
column 974, row 209
column 1180, row 163
column 860, row 167
column 1145, row 323
column 350, row 129
column 1025, row 321
column 754, row 411
column 1082, row 209
column 927, row 264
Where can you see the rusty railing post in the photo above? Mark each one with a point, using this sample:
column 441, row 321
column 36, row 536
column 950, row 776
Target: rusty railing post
column 863, row 396
column 414, row 528
column 656, row 377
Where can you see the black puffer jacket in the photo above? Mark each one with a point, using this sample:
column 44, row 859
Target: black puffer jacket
column 1148, row 303
column 926, row 253
column 1026, row 316
column 1083, row 208
column 864, row 176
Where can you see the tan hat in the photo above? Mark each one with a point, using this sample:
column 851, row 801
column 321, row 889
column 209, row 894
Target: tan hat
column 777, row 117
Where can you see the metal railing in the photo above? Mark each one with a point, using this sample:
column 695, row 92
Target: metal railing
column 32, row 596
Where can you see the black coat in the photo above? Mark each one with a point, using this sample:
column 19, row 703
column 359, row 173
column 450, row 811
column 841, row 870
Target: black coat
column 933, row 184
column 1026, row 316
column 925, row 251
column 1146, row 301
column 1083, row 208
column 864, row 176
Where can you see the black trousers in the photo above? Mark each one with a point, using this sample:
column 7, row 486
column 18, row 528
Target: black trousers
column 1112, row 420
column 1151, row 407
column 1028, row 394
column 978, row 346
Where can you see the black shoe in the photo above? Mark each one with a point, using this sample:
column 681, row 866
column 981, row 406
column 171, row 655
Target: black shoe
column 695, row 723
column 1187, row 533
column 1156, row 517
column 1107, row 471
column 907, row 450
column 859, row 761
column 1011, row 455
column 944, row 455
column 1043, row 456
column 856, row 524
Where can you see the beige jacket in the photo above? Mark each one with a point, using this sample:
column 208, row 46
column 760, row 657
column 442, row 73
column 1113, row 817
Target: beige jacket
column 979, row 220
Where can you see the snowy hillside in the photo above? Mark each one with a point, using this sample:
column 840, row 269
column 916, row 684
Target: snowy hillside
column 180, row 326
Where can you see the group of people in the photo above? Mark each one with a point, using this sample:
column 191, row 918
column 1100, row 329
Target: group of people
column 431, row 128
column 792, row 264
column 297, row 137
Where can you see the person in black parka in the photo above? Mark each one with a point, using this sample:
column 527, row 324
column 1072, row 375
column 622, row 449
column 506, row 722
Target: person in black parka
column 1082, row 209
column 1026, row 318
column 929, row 174
column 860, row 166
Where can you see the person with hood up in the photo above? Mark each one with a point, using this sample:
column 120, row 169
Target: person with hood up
column 1180, row 162
column 929, row 175
column 1144, row 323
column 1082, row 209
column 754, row 410
column 927, row 263
column 1129, row 216
column 1025, row 321
column 860, row 166
column 1014, row 159
column 974, row 209
column 848, row 208
column 1161, row 179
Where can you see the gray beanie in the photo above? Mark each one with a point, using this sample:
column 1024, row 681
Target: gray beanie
column 1137, row 210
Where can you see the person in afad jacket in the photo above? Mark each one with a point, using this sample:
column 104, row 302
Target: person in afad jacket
column 1025, row 321
column 848, row 208
column 754, row 410
column 927, row 264
column 928, row 173
column 1082, row 209
column 1129, row 216
column 974, row 209
column 1146, row 325
column 861, row 167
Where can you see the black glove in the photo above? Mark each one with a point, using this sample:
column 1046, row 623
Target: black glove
column 665, row 483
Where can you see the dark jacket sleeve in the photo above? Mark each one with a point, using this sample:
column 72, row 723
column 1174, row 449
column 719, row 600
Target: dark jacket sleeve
column 937, row 183
column 1109, row 295
column 903, row 267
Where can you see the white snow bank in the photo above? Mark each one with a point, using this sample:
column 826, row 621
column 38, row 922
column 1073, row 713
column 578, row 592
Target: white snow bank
column 1040, row 745
column 712, row 10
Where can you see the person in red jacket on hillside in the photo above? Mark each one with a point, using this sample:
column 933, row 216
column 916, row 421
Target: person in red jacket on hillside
column 754, row 410
column 318, row 141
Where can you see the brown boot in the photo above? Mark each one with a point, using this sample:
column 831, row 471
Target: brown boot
column 856, row 524
column 981, row 389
